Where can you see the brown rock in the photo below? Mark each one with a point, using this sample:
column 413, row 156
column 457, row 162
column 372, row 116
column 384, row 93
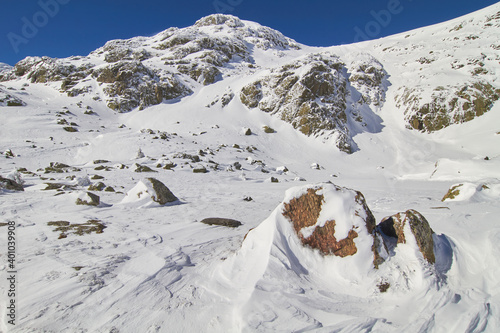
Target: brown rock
column 304, row 211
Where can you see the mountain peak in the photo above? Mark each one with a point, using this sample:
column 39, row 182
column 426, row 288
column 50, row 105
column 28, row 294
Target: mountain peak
column 218, row 19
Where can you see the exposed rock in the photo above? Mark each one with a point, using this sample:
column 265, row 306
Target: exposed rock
column 161, row 194
column 268, row 129
column 448, row 105
column 89, row 199
column 410, row 224
column 309, row 93
column 143, row 168
column 222, row 222
column 109, row 189
column 97, row 186
column 452, row 193
column 10, row 184
column 7, row 99
column 70, row 129
column 58, row 187
column 56, row 167
column 132, row 84
column 303, row 212
column 149, row 192
column 65, row 227
column 200, row 169
column 45, row 69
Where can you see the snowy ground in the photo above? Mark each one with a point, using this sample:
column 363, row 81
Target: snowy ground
column 158, row 269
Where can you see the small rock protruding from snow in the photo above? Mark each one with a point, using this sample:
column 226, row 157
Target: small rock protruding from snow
column 282, row 169
column 149, row 192
column 221, row 222
column 88, row 199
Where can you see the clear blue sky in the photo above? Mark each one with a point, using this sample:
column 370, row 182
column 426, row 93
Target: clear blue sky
column 77, row 27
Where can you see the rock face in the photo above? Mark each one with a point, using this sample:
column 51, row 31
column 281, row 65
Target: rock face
column 304, row 213
column 130, row 84
column 448, row 105
column 410, row 224
column 222, row 222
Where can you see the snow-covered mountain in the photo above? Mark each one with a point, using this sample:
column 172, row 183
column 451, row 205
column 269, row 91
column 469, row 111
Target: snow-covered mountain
column 123, row 153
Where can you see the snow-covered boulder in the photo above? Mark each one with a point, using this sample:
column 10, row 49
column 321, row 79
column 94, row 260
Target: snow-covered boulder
column 332, row 219
column 149, row 192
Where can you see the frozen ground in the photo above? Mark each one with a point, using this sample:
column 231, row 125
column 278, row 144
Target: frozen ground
column 158, row 269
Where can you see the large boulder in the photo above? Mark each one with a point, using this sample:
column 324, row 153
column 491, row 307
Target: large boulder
column 410, row 226
column 329, row 218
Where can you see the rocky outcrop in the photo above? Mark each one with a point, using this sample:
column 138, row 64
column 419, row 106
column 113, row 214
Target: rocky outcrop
column 8, row 99
column 309, row 93
column 314, row 95
column 221, row 222
column 303, row 212
column 131, row 84
column 411, row 223
column 448, row 105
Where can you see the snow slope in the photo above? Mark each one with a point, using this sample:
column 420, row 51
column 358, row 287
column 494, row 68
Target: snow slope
column 158, row 269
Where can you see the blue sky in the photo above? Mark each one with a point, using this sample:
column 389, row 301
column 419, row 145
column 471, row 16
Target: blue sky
column 61, row 28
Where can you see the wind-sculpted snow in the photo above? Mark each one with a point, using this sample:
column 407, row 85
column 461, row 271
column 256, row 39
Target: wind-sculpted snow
column 415, row 260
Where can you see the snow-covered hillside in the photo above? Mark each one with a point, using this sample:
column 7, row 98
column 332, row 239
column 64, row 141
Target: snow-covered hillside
column 121, row 154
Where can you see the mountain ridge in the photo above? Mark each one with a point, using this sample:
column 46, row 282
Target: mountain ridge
column 144, row 71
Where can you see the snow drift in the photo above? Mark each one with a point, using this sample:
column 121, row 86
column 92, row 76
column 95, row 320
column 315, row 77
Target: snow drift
column 326, row 235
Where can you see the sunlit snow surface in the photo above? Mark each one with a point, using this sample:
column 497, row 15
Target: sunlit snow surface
column 158, row 269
